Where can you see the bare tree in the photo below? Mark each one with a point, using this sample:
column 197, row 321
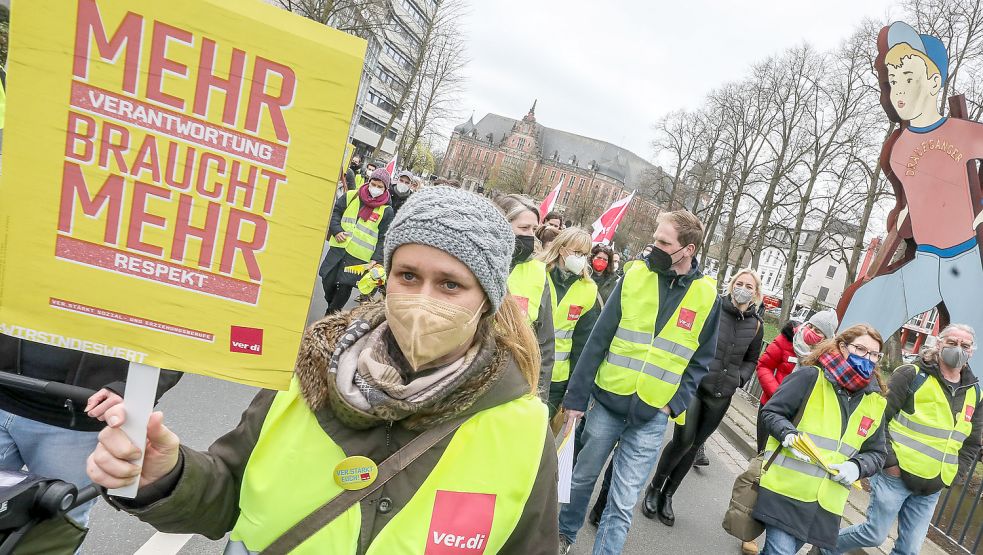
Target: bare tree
column 441, row 81
column 678, row 134
column 788, row 84
column 362, row 18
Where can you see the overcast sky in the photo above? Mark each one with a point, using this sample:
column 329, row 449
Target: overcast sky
column 609, row 70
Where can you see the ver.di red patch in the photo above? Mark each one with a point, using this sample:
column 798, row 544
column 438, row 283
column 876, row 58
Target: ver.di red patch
column 970, row 409
column 460, row 523
column 523, row 303
column 374, row 216
column 865, row 424
column 686, row 319
column 574, row 312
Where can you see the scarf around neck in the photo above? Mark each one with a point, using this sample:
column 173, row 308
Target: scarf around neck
column 369, row 384
column 369, row 204
column 844, row 374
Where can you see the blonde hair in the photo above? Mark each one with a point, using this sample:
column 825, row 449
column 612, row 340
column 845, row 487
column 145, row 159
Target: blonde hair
column 756, row 301
column 512, row 206
column 896, row 55
column 689, row 228
column 846, row 337
column 513, row 333
column 571, row 238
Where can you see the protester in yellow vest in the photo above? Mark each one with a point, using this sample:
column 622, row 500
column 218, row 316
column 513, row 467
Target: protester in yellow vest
column 936, row 426
column 359, row 223
column 576, row 307
column 448, row 347
column 840, row 393
column 650, row 347
column 528, row 283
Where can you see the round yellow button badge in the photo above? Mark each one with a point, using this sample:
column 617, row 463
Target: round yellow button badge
column 355, row 473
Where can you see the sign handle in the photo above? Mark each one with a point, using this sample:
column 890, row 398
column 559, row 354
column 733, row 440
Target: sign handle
column 139, row 398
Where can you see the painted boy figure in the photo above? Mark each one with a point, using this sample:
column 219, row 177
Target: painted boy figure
column 928, row 160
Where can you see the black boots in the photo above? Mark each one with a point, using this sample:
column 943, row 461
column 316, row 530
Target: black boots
column 652, row 501
column 658, row 503
column 665, row 514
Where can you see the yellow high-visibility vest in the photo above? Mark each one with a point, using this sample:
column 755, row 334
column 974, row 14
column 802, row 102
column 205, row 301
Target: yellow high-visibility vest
column 927, row 442
column 483, row 479
column 641, row 362
column 823, row 420
column 363, row 235
column 580, row 299
column 527, row 282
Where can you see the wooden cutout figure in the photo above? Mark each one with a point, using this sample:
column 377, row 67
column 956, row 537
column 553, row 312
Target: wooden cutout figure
column 931, row 162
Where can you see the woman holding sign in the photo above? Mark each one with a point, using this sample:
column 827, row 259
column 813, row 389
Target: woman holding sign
column 836, row 398
column 408, row 427
column 358, row 228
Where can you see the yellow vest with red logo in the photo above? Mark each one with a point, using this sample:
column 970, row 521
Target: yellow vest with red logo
column 823, row 421
column 579, row 299
column 472, row 499
column 652, row 365
column 527, row 283
column 363, row 235
column 927, row 442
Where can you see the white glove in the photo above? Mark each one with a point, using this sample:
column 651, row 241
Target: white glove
column 848, row 472
column 787, row 443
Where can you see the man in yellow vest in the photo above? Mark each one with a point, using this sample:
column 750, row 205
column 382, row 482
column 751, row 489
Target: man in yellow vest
column 936, row 426
column 650, row 348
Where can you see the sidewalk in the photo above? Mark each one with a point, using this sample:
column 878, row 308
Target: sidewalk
column 739, row 427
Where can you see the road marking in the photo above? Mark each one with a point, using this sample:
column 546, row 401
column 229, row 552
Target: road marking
column 163, row 544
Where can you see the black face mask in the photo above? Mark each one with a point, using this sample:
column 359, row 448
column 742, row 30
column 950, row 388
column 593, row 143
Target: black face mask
column 660, row 260
column 524, row 247
column 354, row 165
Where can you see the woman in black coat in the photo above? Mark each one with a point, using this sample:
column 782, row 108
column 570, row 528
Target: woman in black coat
column 738, row 347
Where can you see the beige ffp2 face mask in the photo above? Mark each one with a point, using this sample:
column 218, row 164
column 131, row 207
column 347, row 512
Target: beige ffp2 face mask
column 427, row 329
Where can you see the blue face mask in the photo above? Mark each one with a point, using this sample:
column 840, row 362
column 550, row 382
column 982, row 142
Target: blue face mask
column 863, row 366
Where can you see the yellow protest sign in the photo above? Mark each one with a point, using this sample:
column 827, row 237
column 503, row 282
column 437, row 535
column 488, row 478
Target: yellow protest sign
column 168, row 175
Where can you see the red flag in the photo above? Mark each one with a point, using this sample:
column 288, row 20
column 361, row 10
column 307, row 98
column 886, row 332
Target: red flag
column 607, row 223
column 549, row 202
column 391, row 166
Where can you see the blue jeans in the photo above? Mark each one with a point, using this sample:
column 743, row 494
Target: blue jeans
column 890, row 499
column 780, row 542
column 47, row 451
column 636, row 454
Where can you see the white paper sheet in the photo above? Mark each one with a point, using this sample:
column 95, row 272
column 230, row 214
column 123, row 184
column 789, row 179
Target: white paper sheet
column 564, row 455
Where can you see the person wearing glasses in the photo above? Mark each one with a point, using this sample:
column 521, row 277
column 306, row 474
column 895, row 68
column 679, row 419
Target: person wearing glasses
column 936, row 426
column 836, row 397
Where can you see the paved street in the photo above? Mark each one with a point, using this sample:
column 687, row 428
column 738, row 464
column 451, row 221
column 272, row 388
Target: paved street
column 699, row 504
column 201, row 409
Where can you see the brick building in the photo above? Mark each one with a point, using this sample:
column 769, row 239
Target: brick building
column 526, row 157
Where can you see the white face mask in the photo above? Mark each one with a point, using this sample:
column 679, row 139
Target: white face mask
column 575, row 263
column 376, row 191
column 401, row 188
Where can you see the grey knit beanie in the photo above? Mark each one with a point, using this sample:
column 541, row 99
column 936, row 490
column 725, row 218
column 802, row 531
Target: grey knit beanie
column 826, row 322
column 462, row 224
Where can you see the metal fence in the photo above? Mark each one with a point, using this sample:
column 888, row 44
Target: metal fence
column 959, row 515
column 958, row 519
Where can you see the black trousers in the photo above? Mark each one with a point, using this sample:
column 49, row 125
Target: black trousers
column 337, row 294
column 703, row 416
